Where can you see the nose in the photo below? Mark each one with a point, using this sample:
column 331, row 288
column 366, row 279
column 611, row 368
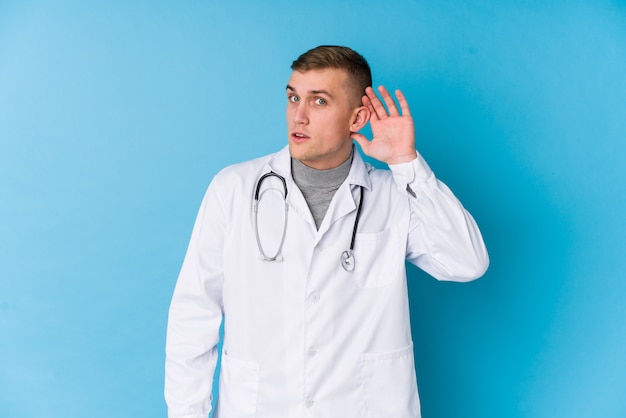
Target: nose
column 300, row 114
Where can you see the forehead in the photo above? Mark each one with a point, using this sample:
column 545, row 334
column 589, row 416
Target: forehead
column 332, row 80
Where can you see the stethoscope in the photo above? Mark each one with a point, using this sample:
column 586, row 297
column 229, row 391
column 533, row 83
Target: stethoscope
column 347, row 257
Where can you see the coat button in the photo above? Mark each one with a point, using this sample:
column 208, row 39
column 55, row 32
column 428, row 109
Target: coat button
column 315, row 297
column 311, row 351
column 308, row 402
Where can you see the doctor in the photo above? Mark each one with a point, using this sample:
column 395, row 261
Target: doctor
column 306, row 266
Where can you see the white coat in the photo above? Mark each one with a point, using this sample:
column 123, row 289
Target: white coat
column 303, row 337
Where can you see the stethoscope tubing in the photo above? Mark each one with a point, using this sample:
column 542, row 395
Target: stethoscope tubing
column 347, row 257
column 278, row 256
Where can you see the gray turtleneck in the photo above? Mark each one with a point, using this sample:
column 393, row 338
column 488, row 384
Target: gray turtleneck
column 319, row 186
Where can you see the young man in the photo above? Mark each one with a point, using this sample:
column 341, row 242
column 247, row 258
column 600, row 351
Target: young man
column 302, row 254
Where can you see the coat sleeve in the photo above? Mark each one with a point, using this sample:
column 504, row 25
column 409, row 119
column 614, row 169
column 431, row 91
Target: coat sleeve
column 443, row 239
column 195, row 315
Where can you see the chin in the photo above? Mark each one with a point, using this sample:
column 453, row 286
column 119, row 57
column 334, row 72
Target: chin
column 296, row 151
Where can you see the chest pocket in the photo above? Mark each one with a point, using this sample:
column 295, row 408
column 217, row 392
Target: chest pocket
column 379, row 257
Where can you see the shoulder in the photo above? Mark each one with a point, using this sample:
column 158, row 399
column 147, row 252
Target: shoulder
column 246, row 171
column 381, row 178
column 237, row 181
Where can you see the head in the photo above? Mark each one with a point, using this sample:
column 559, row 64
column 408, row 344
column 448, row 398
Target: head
column 340, row 58
column 324, row 104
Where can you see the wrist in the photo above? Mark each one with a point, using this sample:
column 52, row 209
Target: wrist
column 404, row 158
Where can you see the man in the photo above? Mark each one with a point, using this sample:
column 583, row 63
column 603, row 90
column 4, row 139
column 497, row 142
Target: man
column 302, row 254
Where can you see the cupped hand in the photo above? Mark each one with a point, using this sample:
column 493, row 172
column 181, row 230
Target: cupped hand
column 393, row 131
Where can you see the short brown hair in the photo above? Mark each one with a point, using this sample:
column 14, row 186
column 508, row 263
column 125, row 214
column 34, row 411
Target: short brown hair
column 339, row 57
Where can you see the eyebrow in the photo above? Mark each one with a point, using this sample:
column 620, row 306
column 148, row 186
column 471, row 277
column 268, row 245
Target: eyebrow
column 325, row 92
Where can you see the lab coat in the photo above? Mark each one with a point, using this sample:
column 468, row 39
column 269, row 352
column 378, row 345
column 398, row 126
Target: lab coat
column 303, row 337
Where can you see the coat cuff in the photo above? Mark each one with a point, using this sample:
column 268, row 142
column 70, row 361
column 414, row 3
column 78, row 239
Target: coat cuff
column 416, row 171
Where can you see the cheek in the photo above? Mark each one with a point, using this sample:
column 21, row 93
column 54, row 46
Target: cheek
column 338, row 124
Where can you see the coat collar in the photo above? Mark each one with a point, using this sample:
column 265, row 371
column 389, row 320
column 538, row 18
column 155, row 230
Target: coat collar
column 343, row 203
column 280, row 163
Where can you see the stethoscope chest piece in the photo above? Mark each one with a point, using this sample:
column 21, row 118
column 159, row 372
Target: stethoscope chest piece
column 347, row 260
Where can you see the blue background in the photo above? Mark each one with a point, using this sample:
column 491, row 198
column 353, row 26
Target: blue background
column 115, row 115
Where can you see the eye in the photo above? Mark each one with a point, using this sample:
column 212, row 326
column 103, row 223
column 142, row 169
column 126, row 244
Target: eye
column 293, row 98
column 320, row 102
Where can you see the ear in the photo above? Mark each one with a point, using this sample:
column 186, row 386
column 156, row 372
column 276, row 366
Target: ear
column 360, row 117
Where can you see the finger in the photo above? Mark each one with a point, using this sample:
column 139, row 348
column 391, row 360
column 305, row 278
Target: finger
column 404, row 105
column 377, row 107
column 391, row 105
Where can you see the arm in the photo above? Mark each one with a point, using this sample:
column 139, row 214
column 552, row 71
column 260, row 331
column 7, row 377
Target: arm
column 444, row 239
column 195, row 316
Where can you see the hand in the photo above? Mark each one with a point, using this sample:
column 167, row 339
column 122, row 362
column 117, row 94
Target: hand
column 394, row 133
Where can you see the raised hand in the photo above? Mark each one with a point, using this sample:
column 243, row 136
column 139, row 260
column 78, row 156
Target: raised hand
column 393, row 131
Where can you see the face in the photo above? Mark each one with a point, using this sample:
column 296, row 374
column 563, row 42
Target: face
column 321, row 115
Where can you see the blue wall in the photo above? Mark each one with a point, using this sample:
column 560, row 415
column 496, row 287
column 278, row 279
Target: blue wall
column 114, row 116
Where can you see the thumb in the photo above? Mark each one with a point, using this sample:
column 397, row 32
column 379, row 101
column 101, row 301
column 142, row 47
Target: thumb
column 361, row 140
